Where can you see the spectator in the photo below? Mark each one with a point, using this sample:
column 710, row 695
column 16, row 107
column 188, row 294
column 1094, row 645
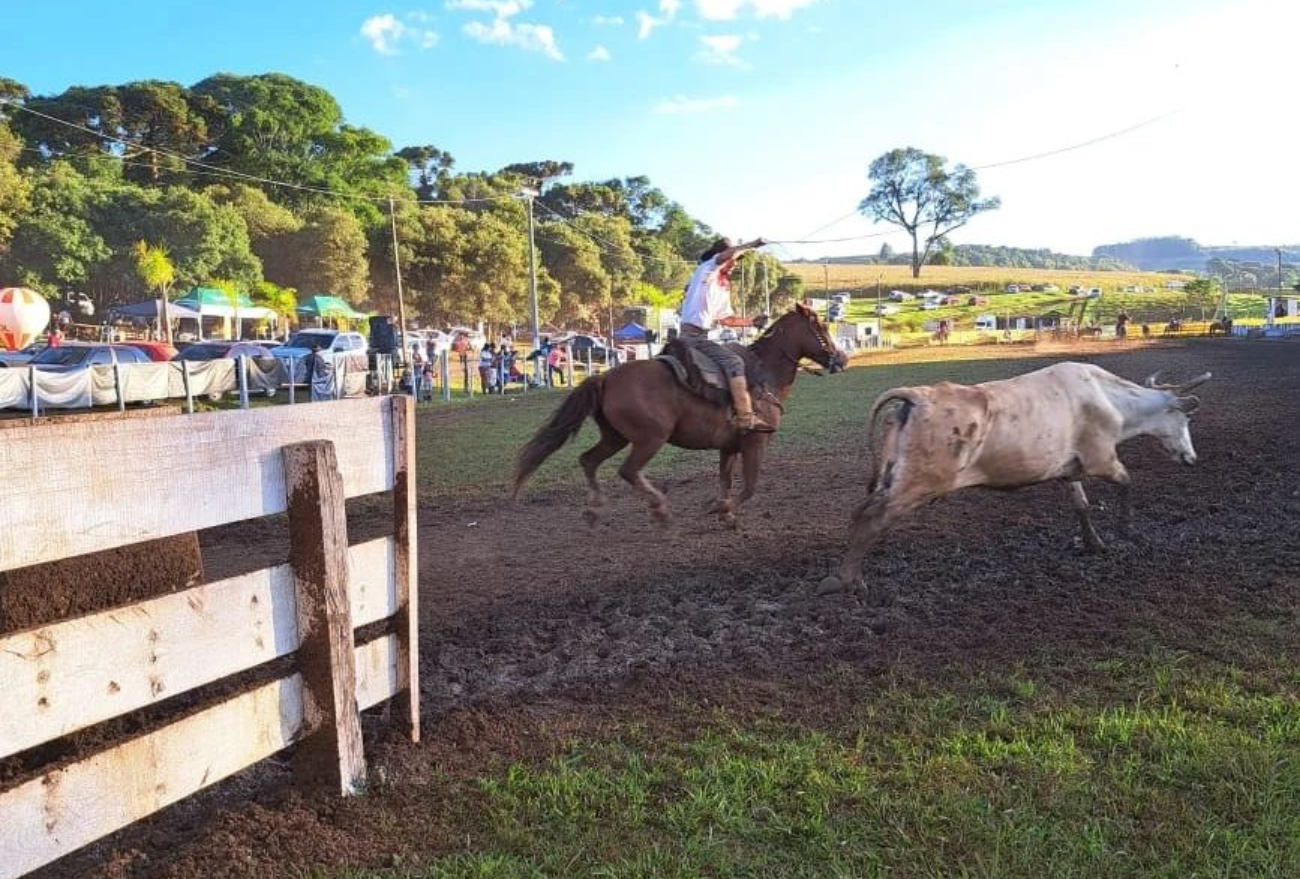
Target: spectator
column 556, row 363
column 55, row 337
column 486, row 361
column 1121, row 325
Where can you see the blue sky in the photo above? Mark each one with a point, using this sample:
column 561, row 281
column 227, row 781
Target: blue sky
column 761, row 116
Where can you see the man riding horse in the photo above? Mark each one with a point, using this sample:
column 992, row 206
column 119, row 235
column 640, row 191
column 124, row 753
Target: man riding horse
column 708, row 304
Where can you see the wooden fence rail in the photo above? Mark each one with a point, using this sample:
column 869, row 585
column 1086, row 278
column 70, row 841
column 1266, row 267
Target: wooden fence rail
column 68, row 676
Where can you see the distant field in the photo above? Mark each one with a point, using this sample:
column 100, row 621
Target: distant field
column 1157, row 306
column 862, row 277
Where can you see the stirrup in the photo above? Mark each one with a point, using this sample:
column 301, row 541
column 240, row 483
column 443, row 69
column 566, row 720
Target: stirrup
column 756, row 425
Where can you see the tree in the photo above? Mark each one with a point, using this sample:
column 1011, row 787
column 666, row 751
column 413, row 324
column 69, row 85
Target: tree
column 282, row 300
column 54, row 242
column 574, row 261
column 155, row 268
column 913, row 190
column 430, row 165
column 1202, row 294
column 15, row 190
column 886, row 253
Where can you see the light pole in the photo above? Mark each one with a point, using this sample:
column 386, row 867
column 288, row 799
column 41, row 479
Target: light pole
column 401, row 301
column 529, row 194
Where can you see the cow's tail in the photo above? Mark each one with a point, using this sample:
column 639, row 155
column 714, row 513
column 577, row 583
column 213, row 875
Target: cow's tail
column 908, row 399
column 582, row 401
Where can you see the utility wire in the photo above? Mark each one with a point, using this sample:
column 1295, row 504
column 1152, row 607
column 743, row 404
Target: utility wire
column 218, row 171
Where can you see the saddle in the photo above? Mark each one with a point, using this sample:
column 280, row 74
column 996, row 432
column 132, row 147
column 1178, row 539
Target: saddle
column 696, row 372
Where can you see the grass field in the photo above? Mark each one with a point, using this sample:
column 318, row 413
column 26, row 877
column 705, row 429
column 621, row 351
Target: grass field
column 1147, row 759
column 1156, row 307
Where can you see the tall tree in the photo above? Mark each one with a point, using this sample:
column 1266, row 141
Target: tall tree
column 915, row 191
column 15, row 190
column 430, row 165
column 155, row 269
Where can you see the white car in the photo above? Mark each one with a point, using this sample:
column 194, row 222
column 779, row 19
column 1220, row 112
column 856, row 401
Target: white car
column 900, row 296
column 333, row 343
column 883, row 309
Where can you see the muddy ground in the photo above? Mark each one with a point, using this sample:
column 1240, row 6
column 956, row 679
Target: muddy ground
column 536, row 629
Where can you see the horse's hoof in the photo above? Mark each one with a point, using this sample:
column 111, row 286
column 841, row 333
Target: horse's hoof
column 591, row 517
column 662, row 518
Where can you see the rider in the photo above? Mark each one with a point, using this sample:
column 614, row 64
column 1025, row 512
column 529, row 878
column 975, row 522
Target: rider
column 708, row 304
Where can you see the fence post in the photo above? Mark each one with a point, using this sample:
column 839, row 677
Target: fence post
column 35, row 392
column 446, row 376
column 405, row 562
column 292, row 368
column 331, row 752
column 241, row 374
column 185, row 380
column 117, row 386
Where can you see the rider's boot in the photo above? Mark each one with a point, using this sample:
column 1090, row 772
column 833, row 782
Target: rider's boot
column 746, row 420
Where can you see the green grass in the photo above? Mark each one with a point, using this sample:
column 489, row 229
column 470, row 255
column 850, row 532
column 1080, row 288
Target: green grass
column 1136, row 765
column 1192, row 775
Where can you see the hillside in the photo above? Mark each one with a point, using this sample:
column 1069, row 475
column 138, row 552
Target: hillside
column 862, row 278
column 1186, row 254
column 992, row 256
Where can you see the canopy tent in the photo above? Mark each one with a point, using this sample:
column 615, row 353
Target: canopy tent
column 630, row 332
column 151, row 309
column 211, row 302
column 329, row 307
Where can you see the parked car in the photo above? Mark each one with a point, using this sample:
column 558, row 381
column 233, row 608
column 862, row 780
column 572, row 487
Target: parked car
column 882, row 309
column 977, row 300
column 841, row 298
column 900, row 296
column 217, row 349
column 580, row 346
column 931, row 305
column 158, row 352
column 835, row 312
column 71, row 356
column 21, row 357
column 334, row 344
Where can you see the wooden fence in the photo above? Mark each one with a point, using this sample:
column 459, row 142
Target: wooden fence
column 90, row 486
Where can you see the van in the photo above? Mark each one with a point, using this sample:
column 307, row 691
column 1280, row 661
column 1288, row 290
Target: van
column 986, row 323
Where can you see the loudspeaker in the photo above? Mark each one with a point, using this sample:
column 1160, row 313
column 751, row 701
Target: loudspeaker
column 383, row 334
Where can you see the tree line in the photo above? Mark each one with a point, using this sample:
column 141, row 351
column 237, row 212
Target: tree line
column 257, row 184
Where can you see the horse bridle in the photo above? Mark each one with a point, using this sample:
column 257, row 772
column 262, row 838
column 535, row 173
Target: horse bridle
column 819, row 333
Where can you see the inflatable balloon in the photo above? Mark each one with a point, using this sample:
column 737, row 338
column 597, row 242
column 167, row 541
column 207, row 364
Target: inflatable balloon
column 24, row 315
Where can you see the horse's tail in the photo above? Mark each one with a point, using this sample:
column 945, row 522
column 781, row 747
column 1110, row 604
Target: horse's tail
column 910, row 398
column 582, row 401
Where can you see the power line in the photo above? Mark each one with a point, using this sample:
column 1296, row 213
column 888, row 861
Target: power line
column 1078, row 146
column 808, row 239
column 218, row 171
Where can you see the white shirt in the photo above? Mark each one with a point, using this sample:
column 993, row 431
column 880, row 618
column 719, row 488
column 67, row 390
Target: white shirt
column 708, row 296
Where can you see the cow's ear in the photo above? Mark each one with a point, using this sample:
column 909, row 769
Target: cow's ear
column 1188, row 404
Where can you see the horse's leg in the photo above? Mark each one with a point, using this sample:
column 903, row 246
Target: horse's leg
column 611, row 443
column 642, row 451
column 752, row 451
column 724, row 506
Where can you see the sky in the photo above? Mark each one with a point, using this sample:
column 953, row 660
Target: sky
column 762, row 116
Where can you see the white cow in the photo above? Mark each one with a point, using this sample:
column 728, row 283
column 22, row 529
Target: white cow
column 1062, row 422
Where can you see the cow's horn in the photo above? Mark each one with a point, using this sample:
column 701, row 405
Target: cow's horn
column 1195, row 383
column 1154, row 378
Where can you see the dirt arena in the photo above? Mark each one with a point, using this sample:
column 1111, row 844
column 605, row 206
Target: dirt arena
column 536, row 629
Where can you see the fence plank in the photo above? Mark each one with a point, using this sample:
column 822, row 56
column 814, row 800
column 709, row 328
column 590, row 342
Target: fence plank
column 63, row 810
column 406, row 564
column 380, row 673
column 65, row 492
column 64, row 677
column 331, row 753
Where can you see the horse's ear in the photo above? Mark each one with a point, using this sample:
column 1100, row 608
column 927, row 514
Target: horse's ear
column 802, row 309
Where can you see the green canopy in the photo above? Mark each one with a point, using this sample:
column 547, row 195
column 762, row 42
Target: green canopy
column 211, row 302
column 329, row 306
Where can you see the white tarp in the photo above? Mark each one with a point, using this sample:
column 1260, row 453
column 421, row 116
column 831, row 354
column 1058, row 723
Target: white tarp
column 149, row 382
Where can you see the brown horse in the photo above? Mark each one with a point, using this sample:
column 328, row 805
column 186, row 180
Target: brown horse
column 642, row 403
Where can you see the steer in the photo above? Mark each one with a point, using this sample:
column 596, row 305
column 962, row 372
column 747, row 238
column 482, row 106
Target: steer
column 1062, row 422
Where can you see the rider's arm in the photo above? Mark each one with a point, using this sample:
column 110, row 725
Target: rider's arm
column 733, row 252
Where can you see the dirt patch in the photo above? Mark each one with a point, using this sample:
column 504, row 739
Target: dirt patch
column 535, row 630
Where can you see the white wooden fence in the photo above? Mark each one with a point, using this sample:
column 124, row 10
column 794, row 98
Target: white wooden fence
column 90, row 486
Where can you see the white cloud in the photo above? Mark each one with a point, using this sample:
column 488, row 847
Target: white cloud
column 683, row 104
column 499, row 8
column 721, row 49
column 608, row 21
column 726, row 10
column 385, row 33
column 503, row 32
column 600, row 53
column 646, row 23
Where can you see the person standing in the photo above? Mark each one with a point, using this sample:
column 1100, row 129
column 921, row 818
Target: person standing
column 708, row 305
column 1121, row 325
